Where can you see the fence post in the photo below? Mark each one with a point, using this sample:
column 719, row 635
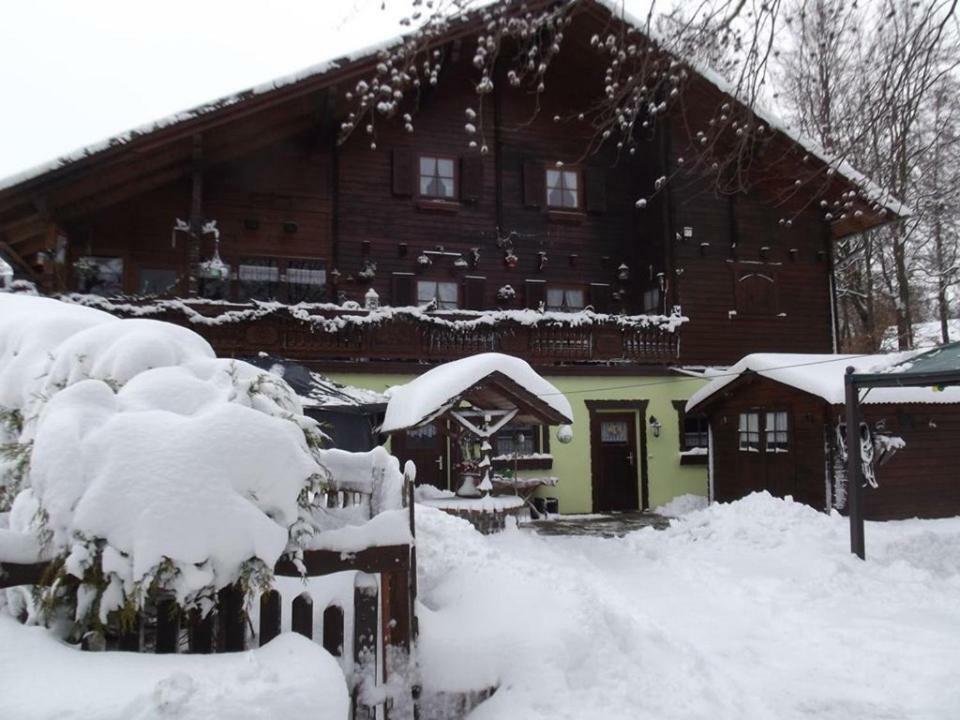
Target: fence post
column 302, row 619
column 168, row 625
column 231, row 620
column 201, row 632
column 364, row 641
column 333, row 630
column 269, row 616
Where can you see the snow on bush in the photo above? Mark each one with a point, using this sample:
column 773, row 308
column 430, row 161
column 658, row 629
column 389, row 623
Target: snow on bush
column 143, row 461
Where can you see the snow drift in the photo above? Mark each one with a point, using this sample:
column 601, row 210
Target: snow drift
column 134, row 451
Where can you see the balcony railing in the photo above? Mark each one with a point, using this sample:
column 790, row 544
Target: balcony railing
column 325, row 332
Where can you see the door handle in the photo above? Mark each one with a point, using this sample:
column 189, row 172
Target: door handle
column 440, row 462
column 630, row 459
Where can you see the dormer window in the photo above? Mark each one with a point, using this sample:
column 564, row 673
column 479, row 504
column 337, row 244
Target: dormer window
column 563, row 189
column 437, row 178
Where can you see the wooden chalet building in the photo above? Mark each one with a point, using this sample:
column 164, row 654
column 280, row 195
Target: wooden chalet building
column 462, row 249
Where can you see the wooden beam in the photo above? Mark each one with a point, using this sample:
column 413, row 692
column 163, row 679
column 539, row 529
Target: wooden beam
column 387, row 558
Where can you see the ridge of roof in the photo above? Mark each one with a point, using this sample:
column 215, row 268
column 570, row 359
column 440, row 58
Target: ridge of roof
column 616, row 8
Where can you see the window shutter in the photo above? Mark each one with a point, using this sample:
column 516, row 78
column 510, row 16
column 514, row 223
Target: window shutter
column 535, row 292
column 471, row 178
column 600, row 297
column 403, row 290
column 402, row 172
column 473, row 291
column 595, row 180
column 534, row 183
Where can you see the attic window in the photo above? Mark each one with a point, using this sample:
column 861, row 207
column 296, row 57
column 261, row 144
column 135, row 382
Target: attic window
column 563, row 189
column 437, row 177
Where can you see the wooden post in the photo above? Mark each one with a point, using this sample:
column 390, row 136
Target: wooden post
column 854, row 481
column 168, row 626
column 333, row 630
column 196, row 216
column 364, row 641
column 231, row 620
column 201, row 632
column 269, row 616
column 302, row 619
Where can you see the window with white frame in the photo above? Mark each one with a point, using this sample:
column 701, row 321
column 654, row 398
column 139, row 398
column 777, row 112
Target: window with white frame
column 777, row 432
column 437, row 177
column 443, row 293
column 565, row 299
column 563, row 189
column 748, row 432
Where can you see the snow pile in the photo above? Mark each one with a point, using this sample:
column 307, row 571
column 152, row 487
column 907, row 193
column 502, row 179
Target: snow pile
column 435, row 390
column 822, row 375
column 752, row 610
column 681, row 505
column 148, row 459
column 43, row 679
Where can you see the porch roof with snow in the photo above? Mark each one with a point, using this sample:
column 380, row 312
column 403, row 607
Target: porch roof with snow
column 823, row 376
column 116, row 168
column 491, row 381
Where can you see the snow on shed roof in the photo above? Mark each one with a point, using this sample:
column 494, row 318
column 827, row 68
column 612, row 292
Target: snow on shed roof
column 616, row 8
column 822, row 375
column 422, row 397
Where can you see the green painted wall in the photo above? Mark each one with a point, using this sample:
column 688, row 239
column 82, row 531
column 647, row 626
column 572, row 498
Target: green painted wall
column 666, row 477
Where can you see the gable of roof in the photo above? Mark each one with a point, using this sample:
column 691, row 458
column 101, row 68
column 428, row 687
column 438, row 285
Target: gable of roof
column 821, row 376
column 329, row 72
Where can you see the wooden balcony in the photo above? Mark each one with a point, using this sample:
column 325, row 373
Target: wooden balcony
column 328, row 333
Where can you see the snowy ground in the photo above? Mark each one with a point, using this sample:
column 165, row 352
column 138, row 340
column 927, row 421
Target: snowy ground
column 749, row 611
column 752, row 610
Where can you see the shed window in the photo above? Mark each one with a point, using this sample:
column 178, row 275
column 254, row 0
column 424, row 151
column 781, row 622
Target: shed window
column 563, row 189
column 749, row 432
column 437, row 177
column 444, row 293
column 777, row 431
column 565, row 299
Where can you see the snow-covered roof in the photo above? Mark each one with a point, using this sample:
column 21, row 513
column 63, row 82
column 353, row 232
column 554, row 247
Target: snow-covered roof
column 822, row 376
column 431, row 392
column 616, row 7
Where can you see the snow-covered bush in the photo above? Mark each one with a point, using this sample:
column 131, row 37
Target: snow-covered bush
column 142, row 462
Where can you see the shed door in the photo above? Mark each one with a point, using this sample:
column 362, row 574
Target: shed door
column 765, row 455
column 615, row 478
column 427, row 447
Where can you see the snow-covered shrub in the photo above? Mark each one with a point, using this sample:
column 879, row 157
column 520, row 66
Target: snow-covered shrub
column 142, row 462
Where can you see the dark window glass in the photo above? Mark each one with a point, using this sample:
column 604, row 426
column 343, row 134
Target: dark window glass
column 306, row 281
column 695, row 432
column 444, row 293
column 777, row 431
column 158, row 281
column 100, row 275
column 258, row 279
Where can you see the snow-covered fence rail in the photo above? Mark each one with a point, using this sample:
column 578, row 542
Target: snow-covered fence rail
column 329, row 331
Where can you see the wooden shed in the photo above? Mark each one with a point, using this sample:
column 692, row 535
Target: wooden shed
column 777, row 423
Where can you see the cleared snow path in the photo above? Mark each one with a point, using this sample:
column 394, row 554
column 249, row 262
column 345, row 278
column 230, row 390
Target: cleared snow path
column 749, row 610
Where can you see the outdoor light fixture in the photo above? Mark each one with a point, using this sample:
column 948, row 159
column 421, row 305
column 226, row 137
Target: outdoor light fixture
column 6, row 275
column 654, row 425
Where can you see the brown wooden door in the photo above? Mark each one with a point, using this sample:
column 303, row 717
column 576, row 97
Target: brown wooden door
column 613, row 437
column 427, row 447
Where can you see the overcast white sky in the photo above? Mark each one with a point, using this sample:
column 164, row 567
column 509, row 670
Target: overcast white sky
column 73, row 72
